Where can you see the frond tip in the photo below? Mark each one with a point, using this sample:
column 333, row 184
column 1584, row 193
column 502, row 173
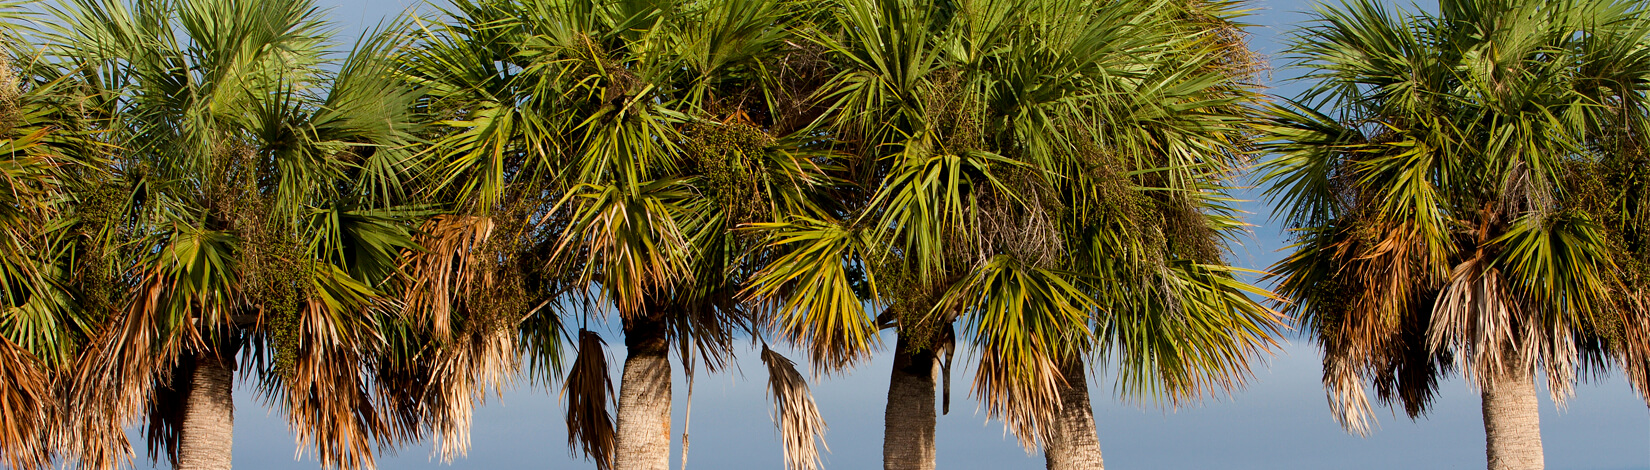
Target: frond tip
column 799, row 421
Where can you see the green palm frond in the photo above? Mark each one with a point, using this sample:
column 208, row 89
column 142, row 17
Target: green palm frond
column 1022, row 319
column 818, row 284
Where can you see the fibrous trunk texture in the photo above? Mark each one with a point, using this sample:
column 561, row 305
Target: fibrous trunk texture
column 643, row 434
column 208, row 432
column 1071, row 443
column 908, row 422
column 1512, row 422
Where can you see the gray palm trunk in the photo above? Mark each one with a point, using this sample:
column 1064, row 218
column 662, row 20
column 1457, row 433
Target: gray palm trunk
column 1512, row 422
column 208, row 432
column 642, row 440
column 908, row 422
column 1071, row 442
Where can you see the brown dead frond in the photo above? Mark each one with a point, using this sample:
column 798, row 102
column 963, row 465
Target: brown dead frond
column 26, row 406
column 332, row 407
column 1370, row 312
column 163, row 421
column 1632, row 342
column 795, row 413
column 588, row 391
column 461, row 374
column 466, row 306
column 1476, row 316
column 704, row 331
column 450, row 266
column 1022, row 224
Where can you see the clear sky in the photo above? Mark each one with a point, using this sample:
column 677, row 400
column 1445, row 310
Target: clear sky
column 1281, row 421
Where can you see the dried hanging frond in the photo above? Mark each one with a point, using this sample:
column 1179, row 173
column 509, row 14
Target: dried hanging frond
column 1021, row 224
column 704, row 333
column 794, row 412
column 1348, row 402
column 947, row 351
column 25, row 406
column 469, row 308
column 588, row 391
column 164, row 418
column 1366, row 288
column 331, row 407
column 1632, row 343
column 449, row 267
column 460, row 375
column 1476, row 315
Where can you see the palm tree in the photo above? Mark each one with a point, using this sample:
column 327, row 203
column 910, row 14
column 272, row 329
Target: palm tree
column 41, row 329
column 1453, row 203
column 600, row 157
column 1048, row 174
column 250, row 203
column 1174, row 316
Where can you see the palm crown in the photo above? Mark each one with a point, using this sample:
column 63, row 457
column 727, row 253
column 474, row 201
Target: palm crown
column 600, row 158
column 1455, row 211
column 1049, row 173
column 249, row 200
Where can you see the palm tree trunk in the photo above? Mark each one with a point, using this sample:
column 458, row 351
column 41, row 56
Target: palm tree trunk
column 1072, row 443
column 1512, row 422
column 643, row 434
column 908, row 422
column 208, row 432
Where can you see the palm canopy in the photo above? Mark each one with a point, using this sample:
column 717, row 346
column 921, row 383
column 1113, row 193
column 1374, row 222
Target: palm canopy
column 1052, row 174
column 248, row 199
column 595, row 130
column 599, row 157
column 1471, row 198
column 44, row 163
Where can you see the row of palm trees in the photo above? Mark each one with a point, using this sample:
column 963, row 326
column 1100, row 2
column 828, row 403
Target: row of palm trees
column 199, row 191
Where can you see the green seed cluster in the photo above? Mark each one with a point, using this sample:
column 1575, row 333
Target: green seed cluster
column 727, row 157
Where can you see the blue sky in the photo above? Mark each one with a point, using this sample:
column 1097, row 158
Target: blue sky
column 1281, row 420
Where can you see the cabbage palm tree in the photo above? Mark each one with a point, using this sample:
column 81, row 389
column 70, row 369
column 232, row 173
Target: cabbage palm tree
column 1464, row 192
column 1047, row 176
column 42, row 158
column 248, row 214
column 598, row 158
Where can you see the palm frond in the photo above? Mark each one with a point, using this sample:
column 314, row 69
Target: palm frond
column 794, row 412
column 588, row 392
